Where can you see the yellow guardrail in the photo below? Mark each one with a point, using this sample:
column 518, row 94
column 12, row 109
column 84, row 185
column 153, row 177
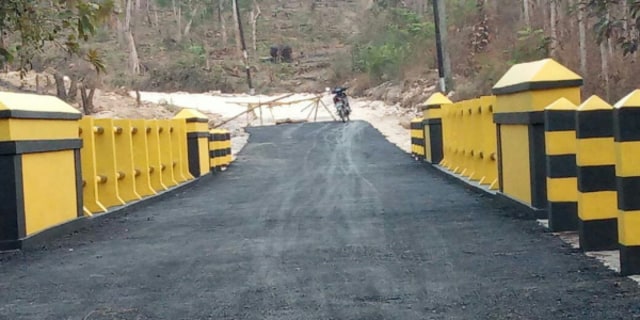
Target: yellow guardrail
column 72, row 167
column 469, row 140
column 548, row 153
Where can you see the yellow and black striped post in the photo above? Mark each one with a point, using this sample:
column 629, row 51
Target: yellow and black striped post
column 417, row 139
column 216, row 149
column 521, row 96
column 197, row 141
column 562, row 181
column 40, row 172
column 228, row 156
column 626, row 127
column 595, row 157
column 432, row 124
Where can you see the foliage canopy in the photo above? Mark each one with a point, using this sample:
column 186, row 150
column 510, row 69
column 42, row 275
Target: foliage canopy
column 32, row 25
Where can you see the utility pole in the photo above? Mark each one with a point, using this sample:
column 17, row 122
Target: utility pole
column 444, row 63
column 244, row 48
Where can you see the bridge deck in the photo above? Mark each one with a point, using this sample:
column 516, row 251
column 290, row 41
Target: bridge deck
column 315, row 221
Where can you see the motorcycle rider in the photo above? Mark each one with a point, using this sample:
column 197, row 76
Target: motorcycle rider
column 341, row 95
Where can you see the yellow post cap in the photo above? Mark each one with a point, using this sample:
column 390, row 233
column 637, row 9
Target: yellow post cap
column 536, row 75
column 562, row 104
column 632, row 100
column 35, row 106
column 190, row 114
column 437, row 99
column 594, row 103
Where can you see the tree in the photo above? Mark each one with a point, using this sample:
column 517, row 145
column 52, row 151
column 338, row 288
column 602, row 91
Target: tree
column 622, row 30
column 255, row 14
column 553, row 24
column 33, row 25
column 525, row 12
column 134, row 59
column 582, row 36
column 223, row 24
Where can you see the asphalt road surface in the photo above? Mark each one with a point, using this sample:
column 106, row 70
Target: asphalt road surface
column 315, row 221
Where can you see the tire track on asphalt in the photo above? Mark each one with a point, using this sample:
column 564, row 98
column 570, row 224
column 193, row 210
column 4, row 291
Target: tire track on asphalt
column 283, row 215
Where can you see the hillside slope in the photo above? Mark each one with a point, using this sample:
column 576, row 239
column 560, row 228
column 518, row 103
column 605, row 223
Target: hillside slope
column 198, row 60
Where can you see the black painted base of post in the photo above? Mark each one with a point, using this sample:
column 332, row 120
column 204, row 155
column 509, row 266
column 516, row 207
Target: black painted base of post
column 629, row 260
column 522, row 210
column 9, row 245
column 598, row 235
column 193, row 156
column 563, row 216
column 435, row 134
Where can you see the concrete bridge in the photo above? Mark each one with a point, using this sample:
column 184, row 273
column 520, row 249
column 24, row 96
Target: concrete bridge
column 314, row 221
column 138, row 219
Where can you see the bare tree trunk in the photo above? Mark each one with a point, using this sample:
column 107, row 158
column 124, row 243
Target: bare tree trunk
column 187, row 29
column 419, row 8
column 237, row 31
column 179, row 22
column 73, row 90
column 545, row 14
column 572, row 22
column 223, row 26
column 582, row 33
column 86, row 102
column 207, row 60
column 61, row 91
column 629, row 30
column 127, row 16
column 446, row 58
column 625, row 18
column 609, row 39
column 134, row 59
column 92, row 92
column 553, row 21
column 121, row 31
column 148, row 13
column 138, row 98
column 604, row 56
column 527, row 16
column 254, row 22
column 38, row 84
column 155, row 12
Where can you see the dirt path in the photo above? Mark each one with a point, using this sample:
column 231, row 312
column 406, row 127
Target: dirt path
column 315, row 221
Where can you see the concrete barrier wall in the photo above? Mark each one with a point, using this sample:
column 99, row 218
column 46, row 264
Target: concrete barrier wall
column 549, row 153
column 469, row 141
column 59, row 168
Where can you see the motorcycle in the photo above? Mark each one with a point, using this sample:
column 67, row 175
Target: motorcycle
column 341, row 102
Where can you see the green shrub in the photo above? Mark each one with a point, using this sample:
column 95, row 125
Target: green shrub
column 532, row 44
column 396, row 37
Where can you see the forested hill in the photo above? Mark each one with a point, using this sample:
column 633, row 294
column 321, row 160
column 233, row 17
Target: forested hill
column 193, row 45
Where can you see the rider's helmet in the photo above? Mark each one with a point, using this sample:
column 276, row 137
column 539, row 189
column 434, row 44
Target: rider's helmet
column 339, row 90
